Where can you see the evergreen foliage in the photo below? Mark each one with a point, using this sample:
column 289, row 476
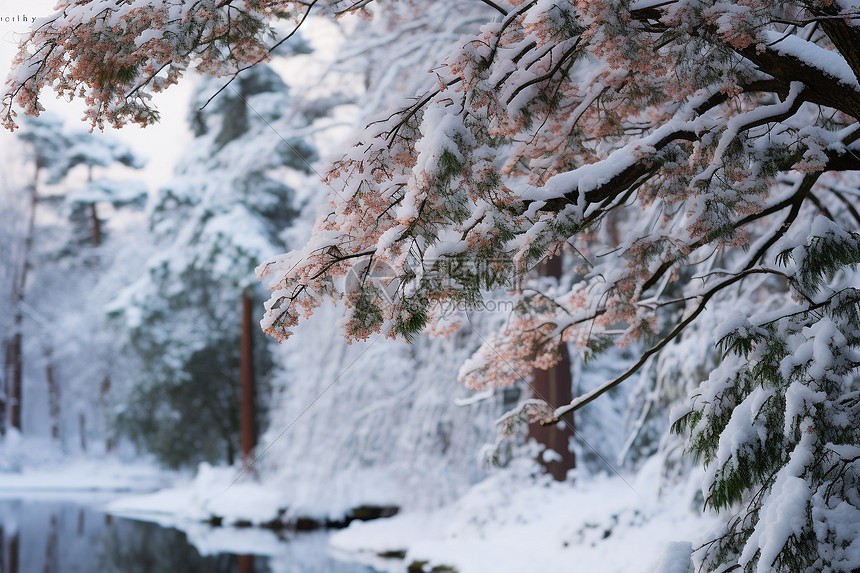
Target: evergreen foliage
column 775, row 424
column 698, row 160
column 214, row 222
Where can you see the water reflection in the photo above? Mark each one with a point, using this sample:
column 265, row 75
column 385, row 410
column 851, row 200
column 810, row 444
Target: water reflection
column 137, row 547
column 41, row 536
column 46, row 536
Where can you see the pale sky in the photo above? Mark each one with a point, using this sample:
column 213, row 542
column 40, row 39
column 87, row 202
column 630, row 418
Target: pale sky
column 162, row 144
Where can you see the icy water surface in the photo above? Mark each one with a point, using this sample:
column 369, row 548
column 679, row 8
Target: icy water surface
column 62, row 536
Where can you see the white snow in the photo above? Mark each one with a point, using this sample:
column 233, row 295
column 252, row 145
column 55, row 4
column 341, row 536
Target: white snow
column 214, row 492
column 32, row 466
column 830, row 62
column 512, row 523
column 83, row 476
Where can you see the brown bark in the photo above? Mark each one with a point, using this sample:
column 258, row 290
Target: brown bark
column 97, row 225
column 82, row 430
column 52, row 557
column 94, row 215
column 12, row 553
column 105, row 390
column 14, row 374
column 555, row 387
column 246, row 564
column 247, row 412
column 53, row 395
column 4, row 389
column 14, row 361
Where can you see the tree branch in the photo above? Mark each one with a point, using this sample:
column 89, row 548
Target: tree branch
column 495, row 7
column 581, row 401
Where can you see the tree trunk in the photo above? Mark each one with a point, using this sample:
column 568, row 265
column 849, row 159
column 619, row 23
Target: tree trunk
column 97, row 225
column 12, row 553
column 53, row 395
column 247, row 412
column 94, row 215
column 246, row 564
column 4, row 388
column 14, row 361
column 555, row 387
column 105, row 390
column 82, row 429
column 52, row 558
column 14, row 373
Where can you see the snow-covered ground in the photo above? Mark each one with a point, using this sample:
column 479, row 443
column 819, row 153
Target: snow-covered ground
column 511, row 522
column 34, row 466
column 214, row 492
column 82, row 476
column 515, row 520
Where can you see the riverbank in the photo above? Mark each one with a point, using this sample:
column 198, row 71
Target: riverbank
column 74, row 533
column 38, row 467
column 510, row 523
column 513, row 521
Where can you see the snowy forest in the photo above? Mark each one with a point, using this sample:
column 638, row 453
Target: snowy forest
column 442, row 286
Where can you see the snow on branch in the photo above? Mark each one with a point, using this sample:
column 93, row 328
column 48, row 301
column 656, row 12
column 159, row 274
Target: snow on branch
column 681, row 154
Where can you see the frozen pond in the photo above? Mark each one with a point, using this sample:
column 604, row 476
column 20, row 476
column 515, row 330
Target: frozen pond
column 63, row 536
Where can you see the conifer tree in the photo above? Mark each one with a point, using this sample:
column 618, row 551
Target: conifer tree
column 54, row 152
column 718, row 139
column 97, row 152
column 221, row 215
